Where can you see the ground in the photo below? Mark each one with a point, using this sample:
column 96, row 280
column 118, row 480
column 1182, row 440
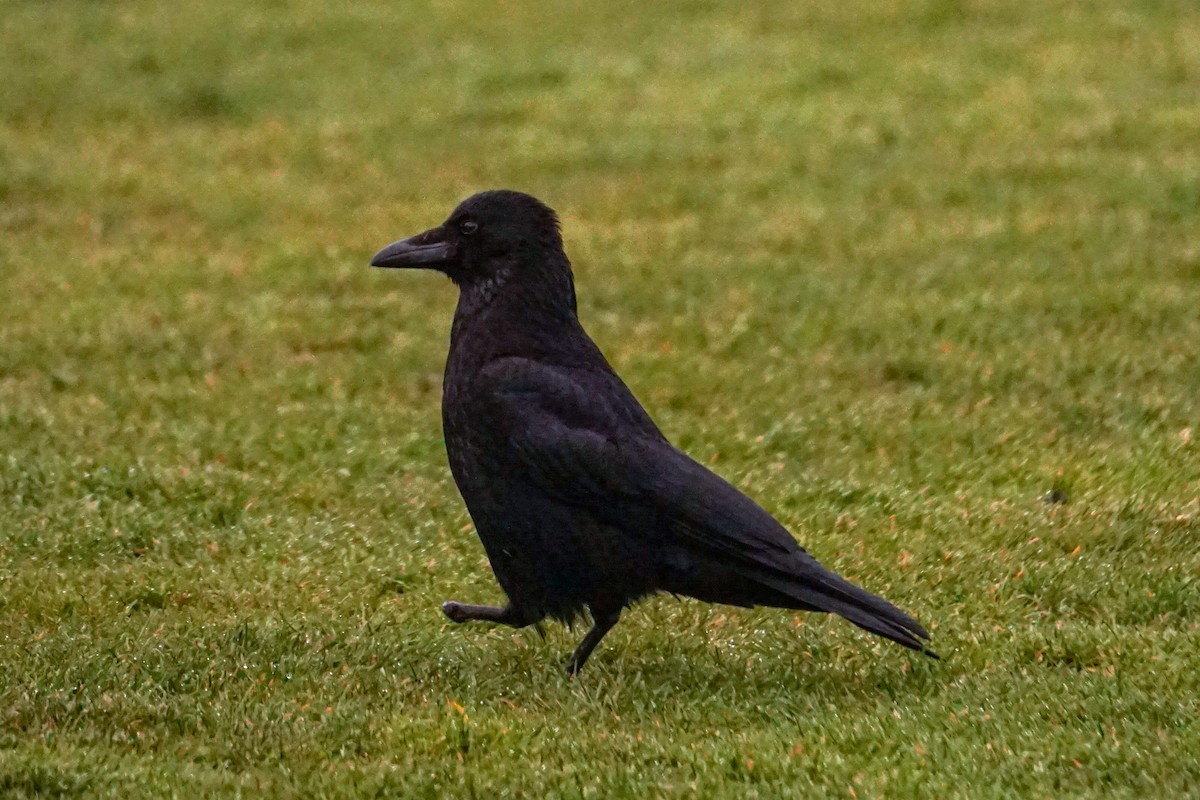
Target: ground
column 922, row 277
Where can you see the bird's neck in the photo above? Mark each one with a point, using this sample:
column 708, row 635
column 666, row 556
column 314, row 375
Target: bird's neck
column 505, row 315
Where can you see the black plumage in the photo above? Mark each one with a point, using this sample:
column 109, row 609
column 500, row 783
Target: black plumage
column 579, row 499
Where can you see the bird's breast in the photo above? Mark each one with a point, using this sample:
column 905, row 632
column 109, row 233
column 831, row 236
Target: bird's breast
column 464, row 427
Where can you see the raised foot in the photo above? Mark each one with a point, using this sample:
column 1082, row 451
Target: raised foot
column 462, row 612
column 455, row 611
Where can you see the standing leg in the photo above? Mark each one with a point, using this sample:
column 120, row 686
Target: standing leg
column 602, row 623
column 508, row 615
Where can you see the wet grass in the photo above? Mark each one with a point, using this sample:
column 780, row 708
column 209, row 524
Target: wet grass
column 923, row 277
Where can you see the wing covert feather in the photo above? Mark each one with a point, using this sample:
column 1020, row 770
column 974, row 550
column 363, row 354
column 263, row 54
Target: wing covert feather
column 567, row 433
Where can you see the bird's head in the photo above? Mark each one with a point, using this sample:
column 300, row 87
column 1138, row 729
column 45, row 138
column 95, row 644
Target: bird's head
column 492, row 239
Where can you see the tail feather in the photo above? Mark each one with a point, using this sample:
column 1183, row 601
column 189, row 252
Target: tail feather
column 817, row 587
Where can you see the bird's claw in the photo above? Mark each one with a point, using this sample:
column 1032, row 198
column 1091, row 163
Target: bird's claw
column 454, row 611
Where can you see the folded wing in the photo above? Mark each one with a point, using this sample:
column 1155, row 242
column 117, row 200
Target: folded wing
column 585, row 439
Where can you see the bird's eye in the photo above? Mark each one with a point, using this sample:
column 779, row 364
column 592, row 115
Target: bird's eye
column 468, row 227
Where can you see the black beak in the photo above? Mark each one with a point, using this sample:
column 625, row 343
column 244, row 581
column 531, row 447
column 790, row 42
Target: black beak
column 428, row 250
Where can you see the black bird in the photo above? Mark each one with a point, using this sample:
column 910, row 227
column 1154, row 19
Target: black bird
column 579, row 499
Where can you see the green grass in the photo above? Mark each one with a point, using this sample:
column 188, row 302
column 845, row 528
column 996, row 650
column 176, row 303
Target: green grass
column 899, row 269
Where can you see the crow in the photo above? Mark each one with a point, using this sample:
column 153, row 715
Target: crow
column 578, row 498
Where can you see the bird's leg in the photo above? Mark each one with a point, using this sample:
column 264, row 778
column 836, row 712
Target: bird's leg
column 602, row 623
column 508, row 615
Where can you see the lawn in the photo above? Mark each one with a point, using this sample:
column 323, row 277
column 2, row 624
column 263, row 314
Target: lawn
column 922, row 277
